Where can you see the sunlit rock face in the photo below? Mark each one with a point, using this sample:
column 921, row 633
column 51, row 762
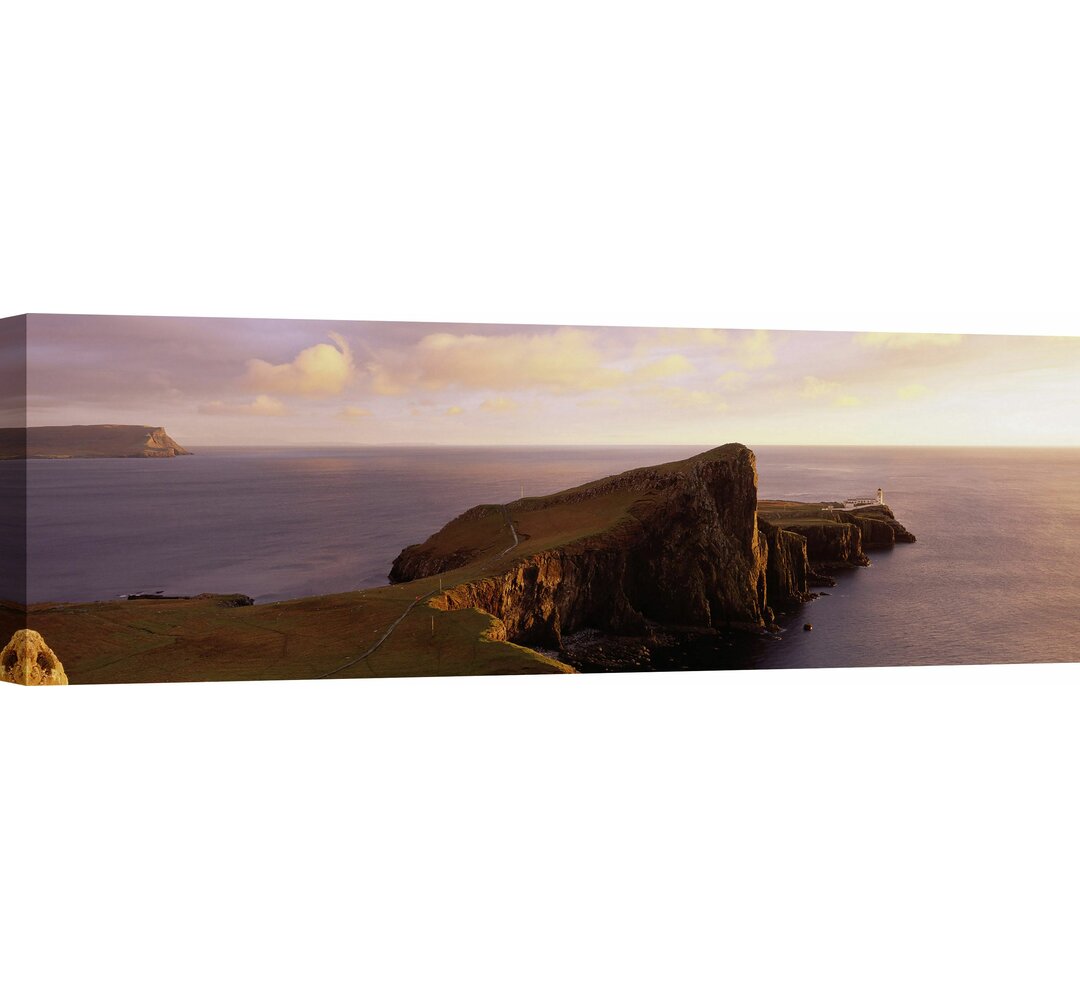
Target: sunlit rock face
column 27, row 659
column 678, row 545
column 682, row 549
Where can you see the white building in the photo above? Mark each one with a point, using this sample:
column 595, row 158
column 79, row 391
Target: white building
column 866, row 501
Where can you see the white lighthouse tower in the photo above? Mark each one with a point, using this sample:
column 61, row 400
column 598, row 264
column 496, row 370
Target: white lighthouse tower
column 880, row 495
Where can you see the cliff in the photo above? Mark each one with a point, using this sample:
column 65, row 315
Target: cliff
column 878, row 526
column 787, row 569
column 88, row 441
column 675, row 543
column 678, row 546
column 835, row 539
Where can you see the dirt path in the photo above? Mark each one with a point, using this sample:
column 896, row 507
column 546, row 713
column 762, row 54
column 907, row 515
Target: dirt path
column 423, row 597
column 513, row 531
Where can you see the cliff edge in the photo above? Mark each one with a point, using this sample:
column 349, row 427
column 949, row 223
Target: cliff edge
column 678, row 545
column 835, row 539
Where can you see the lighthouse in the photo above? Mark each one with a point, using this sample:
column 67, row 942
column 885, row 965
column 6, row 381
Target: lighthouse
column 866, row 501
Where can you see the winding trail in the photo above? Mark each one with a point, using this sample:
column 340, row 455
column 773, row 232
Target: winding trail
column 513, row 531
column 423, row 597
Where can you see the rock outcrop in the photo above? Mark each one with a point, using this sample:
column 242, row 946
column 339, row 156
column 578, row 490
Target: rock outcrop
column 458, row 544
column 679, row 545
column 787, row 569
column 832, row 546
column 835, row 539
column 27, row 659
column 88, row 441
column 158, row 444
column 879, row 529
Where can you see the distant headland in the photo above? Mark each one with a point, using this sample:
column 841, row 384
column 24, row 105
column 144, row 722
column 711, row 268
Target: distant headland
column 88, row 441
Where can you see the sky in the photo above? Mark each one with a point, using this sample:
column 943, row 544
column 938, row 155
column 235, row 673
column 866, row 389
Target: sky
column 266, row 382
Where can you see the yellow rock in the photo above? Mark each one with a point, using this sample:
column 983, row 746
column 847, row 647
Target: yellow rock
column 27, row 659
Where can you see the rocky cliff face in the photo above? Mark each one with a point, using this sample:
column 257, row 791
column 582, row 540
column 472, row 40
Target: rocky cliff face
column 684, row 547
column 787, row 569
column 835, row 539
column 881, row 530
column 160, row 445
column 686, row 552
column 832, row 546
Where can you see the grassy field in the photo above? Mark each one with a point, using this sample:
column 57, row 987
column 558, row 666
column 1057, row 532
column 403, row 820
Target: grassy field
column 209, row 638
column 540, row 525
column 204, row 639
column 791, row 514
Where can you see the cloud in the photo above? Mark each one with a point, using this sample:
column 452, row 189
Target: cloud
column 748, row 349
column 817, row 388
column 601, row 401
column 566, row 360
column 677, row 397
column 354, row 413
column 322, row 370
column 563, row 360
column 383, row 382
column 733, row 380
column 755, row 350
column 454, row 411
column 912, row 391
column 682, row 338
column 665, row 367
column 261, row 406
column 500, row 405
column 907, row 341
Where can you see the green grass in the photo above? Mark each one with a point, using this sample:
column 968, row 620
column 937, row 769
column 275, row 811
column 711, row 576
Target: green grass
column 202, row 640
column 791, row 514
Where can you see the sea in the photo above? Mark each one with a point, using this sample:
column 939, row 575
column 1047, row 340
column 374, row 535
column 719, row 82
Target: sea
column 993, row 578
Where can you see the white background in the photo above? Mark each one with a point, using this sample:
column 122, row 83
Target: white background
column 877, row 833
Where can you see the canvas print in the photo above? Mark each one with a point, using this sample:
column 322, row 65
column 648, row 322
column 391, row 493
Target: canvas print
column 194, row 499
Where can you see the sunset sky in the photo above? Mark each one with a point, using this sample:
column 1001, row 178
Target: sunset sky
column 229, row 381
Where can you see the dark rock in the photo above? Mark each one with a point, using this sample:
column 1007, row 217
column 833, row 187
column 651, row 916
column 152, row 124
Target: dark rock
column 688, row 553
column 685, row 549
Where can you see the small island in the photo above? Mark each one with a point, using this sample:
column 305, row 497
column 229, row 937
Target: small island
column 88, row 441
column 604, row 573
